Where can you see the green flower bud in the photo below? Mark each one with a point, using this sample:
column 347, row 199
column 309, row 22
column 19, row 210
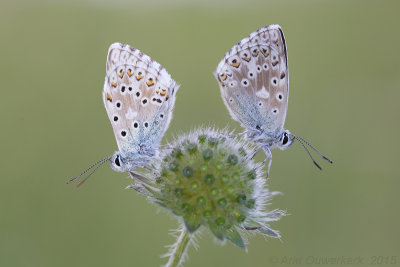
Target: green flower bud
column 207, row 179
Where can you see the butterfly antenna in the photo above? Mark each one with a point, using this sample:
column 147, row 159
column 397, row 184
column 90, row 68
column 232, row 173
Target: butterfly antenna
column 319, row 153
column 102, row 161
column 90, row 174
column 300, row 141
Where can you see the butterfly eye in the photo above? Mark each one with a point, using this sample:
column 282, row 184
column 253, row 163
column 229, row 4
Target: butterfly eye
column 285, row 139
column 117, row 162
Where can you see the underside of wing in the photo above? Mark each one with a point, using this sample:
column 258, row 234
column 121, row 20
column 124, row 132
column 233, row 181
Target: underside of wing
column 254, row 80
column 139, row 96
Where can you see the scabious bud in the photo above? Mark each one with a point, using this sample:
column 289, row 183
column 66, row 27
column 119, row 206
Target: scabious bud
column 209, row 179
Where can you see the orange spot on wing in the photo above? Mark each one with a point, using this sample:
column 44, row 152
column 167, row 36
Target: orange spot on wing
column 150, row 82
column 113, row 84
column 130, row 73
column 247, row 59
column 163, row 93
column 139, row 77
column 255, row 53
column 236, row 64
column 109, row 97
column 224, row 77
column 121, row 74
column 264, row 52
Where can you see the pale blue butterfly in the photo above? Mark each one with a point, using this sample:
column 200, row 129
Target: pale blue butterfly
column 254, row 82
column 139, row 96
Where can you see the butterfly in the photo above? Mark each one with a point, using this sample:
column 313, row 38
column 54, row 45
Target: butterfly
column 139, row 96
column 254, row 82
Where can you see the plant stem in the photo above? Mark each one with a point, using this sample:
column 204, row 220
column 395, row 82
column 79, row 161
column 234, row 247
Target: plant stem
column 181, row 245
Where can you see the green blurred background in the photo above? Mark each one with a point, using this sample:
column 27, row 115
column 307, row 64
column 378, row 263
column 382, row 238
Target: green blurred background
column 344, row 98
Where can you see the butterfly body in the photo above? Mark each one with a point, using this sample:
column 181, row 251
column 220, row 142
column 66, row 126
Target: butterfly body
column 126, row 161
column 264, row 138
column 139, row 96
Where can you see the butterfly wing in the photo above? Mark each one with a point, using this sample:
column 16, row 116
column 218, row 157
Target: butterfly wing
column 139, row 96
column 254, row 80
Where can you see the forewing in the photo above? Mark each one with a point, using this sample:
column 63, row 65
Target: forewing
column 254, row 80
column 139, row 96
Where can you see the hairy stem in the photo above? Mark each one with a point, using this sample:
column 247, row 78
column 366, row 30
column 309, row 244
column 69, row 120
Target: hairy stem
column 179, row 249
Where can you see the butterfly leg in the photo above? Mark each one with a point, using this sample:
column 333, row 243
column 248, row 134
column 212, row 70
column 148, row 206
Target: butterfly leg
column 251, row 156
column 138, row 176
column 164, row 146
column 132, row 175
column 269, row 157
column 139, row 188
column 236, row 135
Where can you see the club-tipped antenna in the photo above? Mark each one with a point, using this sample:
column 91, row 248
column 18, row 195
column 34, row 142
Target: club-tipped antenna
column 300, row 141
column 319, row 153
column 100, row 162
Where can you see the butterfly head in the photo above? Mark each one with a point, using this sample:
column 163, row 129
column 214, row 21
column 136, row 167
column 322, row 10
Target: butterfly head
column 117, row 162
column 286, row 140
column 129, row 160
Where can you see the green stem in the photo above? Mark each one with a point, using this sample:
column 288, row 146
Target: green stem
column 179, row 251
